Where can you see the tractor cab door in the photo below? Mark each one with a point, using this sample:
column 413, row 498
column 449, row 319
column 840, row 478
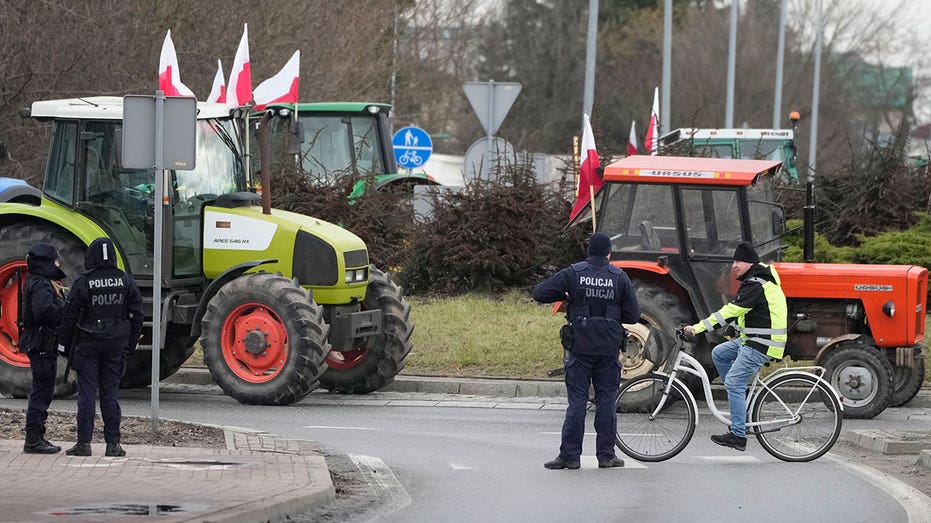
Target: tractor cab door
column 712, row 219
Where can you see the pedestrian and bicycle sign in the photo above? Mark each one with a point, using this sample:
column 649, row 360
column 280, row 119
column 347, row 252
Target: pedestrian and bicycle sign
column 412, row 147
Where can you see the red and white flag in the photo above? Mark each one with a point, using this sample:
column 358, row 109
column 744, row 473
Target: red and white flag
column 169, row 75
column 218, row 91
column 651, row 141
column 632, row 141
column 239, row 88
column 589, row 182
column 281, row 88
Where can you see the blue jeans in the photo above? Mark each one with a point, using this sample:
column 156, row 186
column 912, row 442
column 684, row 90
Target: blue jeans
column 737, row 363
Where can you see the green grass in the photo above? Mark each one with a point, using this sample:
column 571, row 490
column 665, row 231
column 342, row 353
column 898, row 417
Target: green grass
column 474, row 335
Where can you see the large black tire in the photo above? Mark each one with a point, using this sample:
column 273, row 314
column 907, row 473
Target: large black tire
column 367, row 370
column 646, row 351
column 862, row 376
column 16, row 240
column 178, row 347
column 264, row 340
column 907, row 382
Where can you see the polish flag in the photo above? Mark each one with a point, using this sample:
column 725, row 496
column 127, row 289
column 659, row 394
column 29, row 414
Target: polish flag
column 218, row 91
column 281, row 88
column 169, row 75
column 651, row 141
column 632, row 141
column 589, row 182
column 239, row 88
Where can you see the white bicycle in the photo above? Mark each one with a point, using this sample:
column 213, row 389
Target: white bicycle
column 795, row 415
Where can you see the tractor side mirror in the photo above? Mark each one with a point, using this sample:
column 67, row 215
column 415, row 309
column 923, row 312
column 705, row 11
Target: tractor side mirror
column 296, row 138
column 779, row 222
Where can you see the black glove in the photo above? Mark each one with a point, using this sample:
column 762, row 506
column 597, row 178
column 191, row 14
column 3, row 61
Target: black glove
column 130, row 349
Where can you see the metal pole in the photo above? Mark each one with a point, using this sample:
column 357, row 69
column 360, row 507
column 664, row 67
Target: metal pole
column 491, row 119
column 815, row 95
column 667, row 67
column 590, row 50
column 731, row 65
column 780, row 58
column 157, row 251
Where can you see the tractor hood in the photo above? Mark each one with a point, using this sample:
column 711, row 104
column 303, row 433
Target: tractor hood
column 316, row 252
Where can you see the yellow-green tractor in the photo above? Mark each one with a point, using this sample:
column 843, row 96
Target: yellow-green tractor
column 282, row 303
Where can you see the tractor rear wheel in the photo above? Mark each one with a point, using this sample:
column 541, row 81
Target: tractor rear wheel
column 264, row 340
column 907, row 381
column 178, row 347
column 17, row 239
column 363, row 370
column 862, row 376
column 646, row 351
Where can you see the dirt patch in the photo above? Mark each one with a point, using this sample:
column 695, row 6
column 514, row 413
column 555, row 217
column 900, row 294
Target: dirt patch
column 61, row 429
column 904, row 467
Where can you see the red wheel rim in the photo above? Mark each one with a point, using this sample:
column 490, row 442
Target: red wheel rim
column 255, row 343
column 9, row 314
column 346, row 360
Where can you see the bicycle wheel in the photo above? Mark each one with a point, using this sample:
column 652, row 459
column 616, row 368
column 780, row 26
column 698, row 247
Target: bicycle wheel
column 644, row 437
column 801, row 416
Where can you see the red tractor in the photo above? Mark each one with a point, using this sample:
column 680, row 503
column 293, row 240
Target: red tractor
column 674, row 224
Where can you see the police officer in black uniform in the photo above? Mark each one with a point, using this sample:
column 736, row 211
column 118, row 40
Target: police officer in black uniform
column 43, row 303
column 105, row 308
column 600, row 298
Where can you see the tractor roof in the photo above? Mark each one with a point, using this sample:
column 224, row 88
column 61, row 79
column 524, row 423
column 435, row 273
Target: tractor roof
column 706, row 135
column 690, row 170
column 107, row 108
column 337, row 107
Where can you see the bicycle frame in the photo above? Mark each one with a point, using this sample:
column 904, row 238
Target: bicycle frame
column 684, row 362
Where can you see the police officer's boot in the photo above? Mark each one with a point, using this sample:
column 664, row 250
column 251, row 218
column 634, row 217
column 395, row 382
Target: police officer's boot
column 115, row 450
column 36, row 444
column 79, row 449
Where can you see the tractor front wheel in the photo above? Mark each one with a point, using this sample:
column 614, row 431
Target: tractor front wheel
column 264, row 340
column 862, row 376
column 363, row 370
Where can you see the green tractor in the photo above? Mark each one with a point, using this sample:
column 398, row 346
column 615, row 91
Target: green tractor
column 282, row 303
column 332, row 140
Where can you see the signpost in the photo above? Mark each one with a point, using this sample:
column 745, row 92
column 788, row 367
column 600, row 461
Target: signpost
column 412, row 147
column 159, row 133
column 491, row 101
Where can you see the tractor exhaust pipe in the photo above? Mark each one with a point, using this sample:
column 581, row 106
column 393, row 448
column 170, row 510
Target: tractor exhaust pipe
column 808, row 216
column 266, row 168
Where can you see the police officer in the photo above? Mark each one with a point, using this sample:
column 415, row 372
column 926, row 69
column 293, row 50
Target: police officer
column 42, row 306
column 105, row 311
column 762, row 319
column 600, row 298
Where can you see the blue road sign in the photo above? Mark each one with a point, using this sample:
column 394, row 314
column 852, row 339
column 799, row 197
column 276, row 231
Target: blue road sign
column 412, row 146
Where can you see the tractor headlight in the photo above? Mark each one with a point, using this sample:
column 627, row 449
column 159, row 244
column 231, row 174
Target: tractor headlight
column 356, row 275
column 889, row 308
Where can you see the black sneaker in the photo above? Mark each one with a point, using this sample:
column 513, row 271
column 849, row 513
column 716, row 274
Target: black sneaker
column 115, row 450
column 560, row 463
column 611, row 463
column 79, row 449
column 730, row 440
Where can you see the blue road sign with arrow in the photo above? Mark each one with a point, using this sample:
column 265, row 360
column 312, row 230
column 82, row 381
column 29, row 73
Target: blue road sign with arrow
column 412, row 147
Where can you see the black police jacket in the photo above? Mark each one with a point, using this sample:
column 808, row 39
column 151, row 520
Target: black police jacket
column 600, row 298
column 42, row 311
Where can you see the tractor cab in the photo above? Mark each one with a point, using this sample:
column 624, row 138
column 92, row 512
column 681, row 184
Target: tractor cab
column 333, row 140
column 683, row 217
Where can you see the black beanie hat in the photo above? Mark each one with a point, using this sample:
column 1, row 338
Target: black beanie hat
column 746, row 253
column 599, row 244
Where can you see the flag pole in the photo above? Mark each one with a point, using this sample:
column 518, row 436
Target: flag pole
column 591, row 201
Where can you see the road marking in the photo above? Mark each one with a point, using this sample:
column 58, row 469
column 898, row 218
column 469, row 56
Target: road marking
column 916, row 503
column 328, row 427
column 383, row 483
column 460, row 466
column 730, row 459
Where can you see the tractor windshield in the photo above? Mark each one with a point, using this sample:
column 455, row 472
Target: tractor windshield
column 334, row 146
column 639, row 217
